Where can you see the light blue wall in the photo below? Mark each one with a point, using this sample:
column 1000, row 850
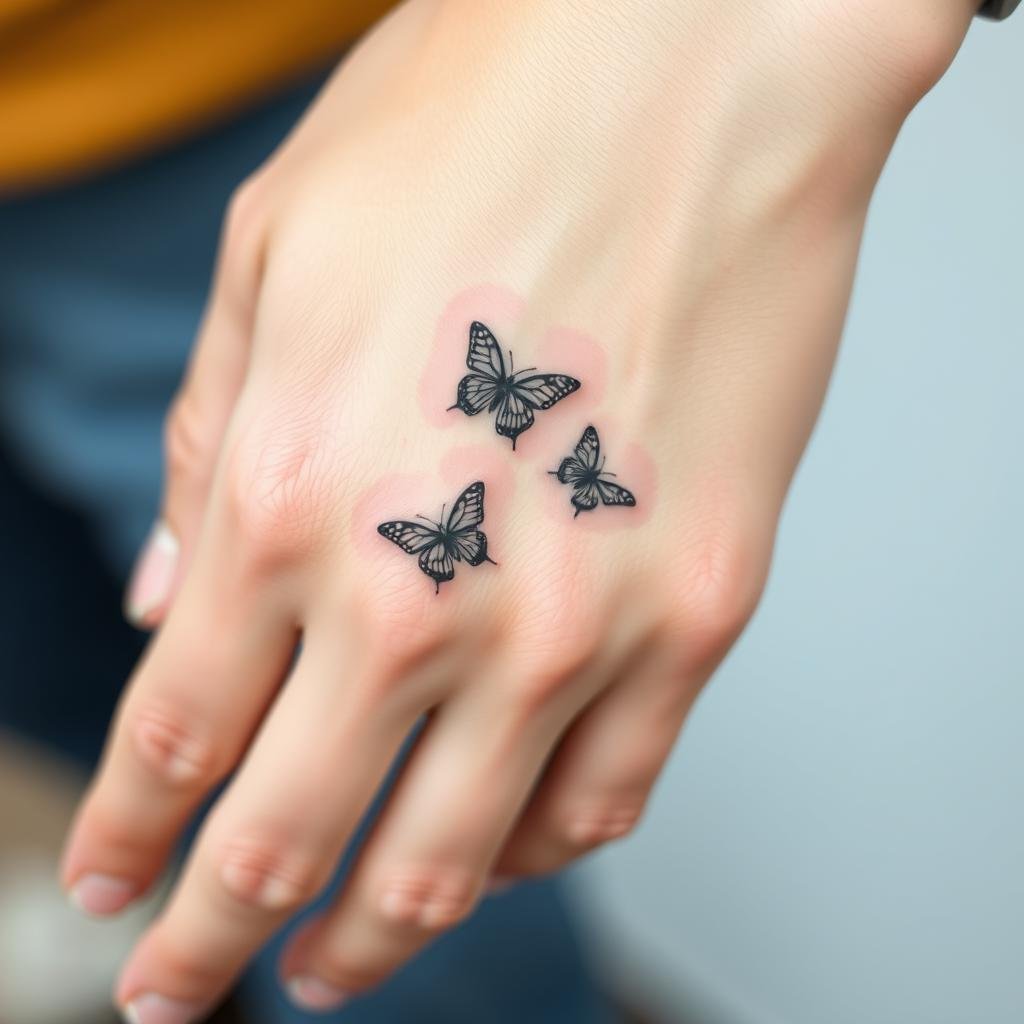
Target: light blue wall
column 840, row 837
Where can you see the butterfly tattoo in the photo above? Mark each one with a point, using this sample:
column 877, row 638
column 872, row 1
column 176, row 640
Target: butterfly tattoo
column 586, row 476
column 513, row 396
column 455, row 538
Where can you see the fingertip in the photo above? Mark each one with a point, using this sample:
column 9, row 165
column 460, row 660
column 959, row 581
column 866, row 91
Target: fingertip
column 314, row 995
column 294, row 957
column 100, row 895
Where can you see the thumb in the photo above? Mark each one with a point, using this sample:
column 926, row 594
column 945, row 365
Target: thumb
column 199, row 414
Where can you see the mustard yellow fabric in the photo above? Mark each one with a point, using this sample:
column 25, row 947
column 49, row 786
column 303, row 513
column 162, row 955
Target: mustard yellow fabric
column 85, row 83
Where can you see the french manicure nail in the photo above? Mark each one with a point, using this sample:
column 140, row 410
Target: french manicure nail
column 153, row 574
column 311, row 993
column 156, row 1009
column 101, row 895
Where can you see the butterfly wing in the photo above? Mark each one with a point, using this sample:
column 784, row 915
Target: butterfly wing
column 468, row 511
column 583, row 460
column 570, row 470
column 477, row 389
column 411, row 537
column 584, row 496
column 613, row 494
column 470, row 546
column 484, row 356
column 588, row 449
column 542, row 390
column 514, row 416
column 437, row 562
column 475, row 393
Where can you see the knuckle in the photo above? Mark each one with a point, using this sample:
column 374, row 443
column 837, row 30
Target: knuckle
column 556, row 637
column 269, row 874
column 188, row 444
column 244, row 217
column 410, row 644
column 173, row 749
column 401, row 628
column 716, row 591
column 546, row 676
column 277, row 497
column 429, row 898
column 555, row 608
column 391, row 677
column 596, row 825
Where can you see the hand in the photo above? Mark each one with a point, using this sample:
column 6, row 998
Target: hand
column 662, row 202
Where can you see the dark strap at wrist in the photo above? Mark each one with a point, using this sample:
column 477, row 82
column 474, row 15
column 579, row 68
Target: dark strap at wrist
column 998, row 9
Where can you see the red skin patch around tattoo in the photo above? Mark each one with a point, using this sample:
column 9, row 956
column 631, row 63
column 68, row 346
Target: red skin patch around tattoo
column 560, row 350
column 634, row 469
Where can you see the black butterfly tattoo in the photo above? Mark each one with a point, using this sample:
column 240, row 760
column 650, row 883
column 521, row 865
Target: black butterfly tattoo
column 587, row 477
column 513, row 396
column 453, row 539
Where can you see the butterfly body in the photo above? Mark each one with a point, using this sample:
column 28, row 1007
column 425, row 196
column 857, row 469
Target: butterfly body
column 513, row 397
column 588, row 479
column 454, row 538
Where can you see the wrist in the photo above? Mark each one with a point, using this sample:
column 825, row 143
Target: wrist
column 869, row 61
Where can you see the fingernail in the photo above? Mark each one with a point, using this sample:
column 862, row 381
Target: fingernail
column 153, row 575
column 311, row 993
column 155, row 1009
column 101, row 895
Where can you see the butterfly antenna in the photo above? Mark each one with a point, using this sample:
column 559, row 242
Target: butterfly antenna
column 511, row 363
column 436, row 526
column 437, row 586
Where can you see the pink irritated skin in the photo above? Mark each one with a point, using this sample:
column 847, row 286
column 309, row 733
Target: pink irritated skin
column 556, row 350
column 634, row 469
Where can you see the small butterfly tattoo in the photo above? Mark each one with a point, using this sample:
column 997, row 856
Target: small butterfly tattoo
column 513, row 396
column 453, row 539
column 587, row 478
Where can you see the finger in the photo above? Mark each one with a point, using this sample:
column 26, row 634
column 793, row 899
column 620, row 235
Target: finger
column 181, row 726
column 199, row 415
column 273, row 839
column 596, row 786
column 427, row 859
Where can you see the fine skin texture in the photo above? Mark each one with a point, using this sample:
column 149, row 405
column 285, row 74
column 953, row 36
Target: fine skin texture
column 663, row 201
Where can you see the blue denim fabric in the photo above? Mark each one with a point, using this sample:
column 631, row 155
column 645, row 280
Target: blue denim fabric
column 101, row 289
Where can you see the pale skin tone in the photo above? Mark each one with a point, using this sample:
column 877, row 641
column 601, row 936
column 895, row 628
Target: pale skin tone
column 667, row 198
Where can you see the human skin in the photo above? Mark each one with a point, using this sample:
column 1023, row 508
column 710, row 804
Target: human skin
column 662, row 200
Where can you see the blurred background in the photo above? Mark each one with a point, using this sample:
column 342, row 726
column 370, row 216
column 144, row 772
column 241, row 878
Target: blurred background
column 837, row 838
